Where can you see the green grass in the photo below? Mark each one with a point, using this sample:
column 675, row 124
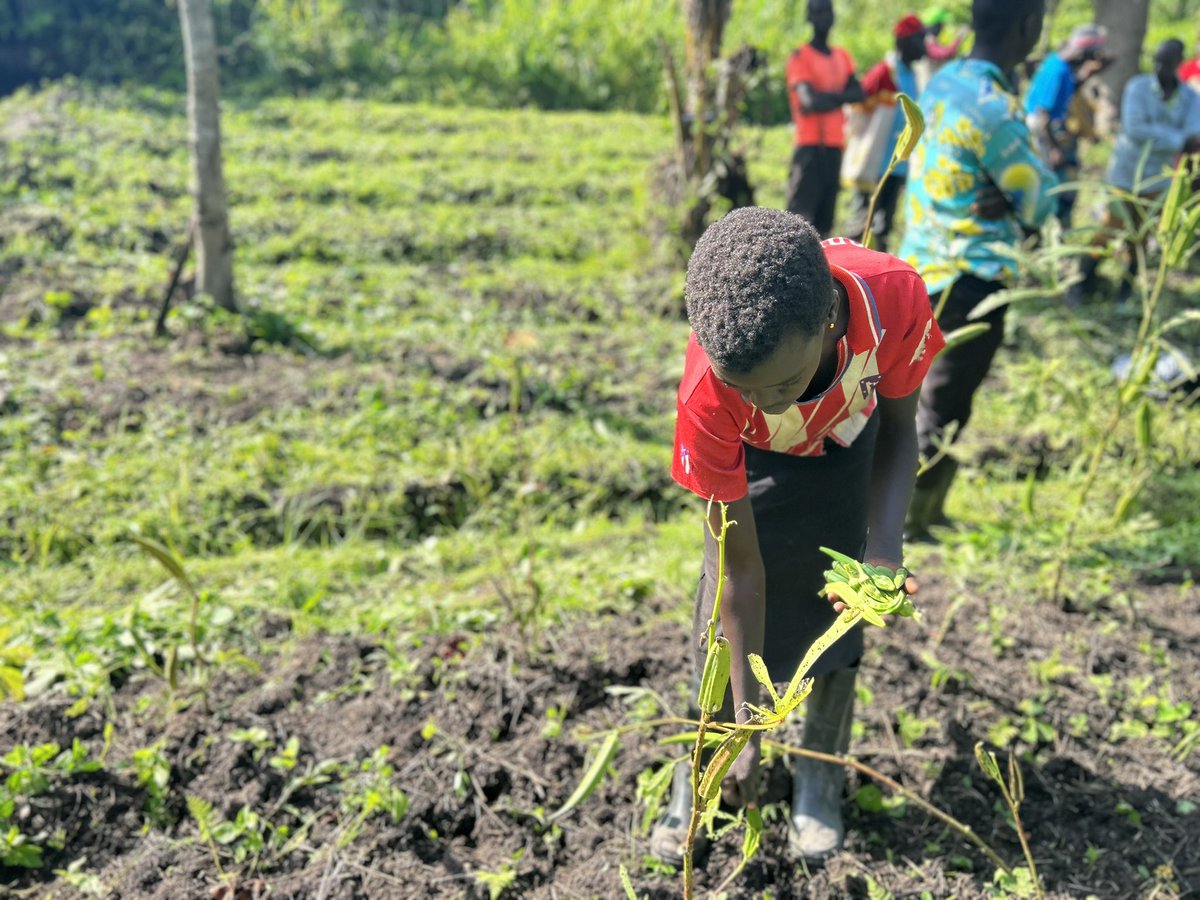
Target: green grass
column 490, row 405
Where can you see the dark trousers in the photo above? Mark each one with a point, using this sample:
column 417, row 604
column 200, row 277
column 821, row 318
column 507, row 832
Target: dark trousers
column 801, row 503
column 813, row 185
column 885, row 212
column 949, row 387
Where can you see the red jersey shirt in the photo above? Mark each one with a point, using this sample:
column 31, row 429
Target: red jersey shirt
column 828, row 74
column 1189, row 72
column 889, row 343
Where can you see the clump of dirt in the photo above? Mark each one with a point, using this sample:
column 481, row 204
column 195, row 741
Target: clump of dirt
column 485, row 739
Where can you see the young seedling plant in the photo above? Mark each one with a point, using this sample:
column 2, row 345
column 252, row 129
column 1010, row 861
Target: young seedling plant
column 868, row 593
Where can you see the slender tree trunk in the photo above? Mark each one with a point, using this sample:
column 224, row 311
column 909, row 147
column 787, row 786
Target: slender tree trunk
column 705, row 26
column 1126, row 24
column 214, row 246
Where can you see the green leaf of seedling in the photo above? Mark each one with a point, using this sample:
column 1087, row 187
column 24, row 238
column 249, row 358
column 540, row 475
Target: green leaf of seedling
column 167, row 559
column 989, row 763
column 752, row 839
column 759, row 668
column 627, row 884
column 966, row 333
column 914, row 127
column 592, row 777
column 12, row 683
column 1177, row 195
column 1016, row 781
column 711, row 738
column 838, row 557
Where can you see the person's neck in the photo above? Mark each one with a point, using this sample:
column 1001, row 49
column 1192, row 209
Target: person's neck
column 820, row 41
column 1168, row 88
column 996, row 55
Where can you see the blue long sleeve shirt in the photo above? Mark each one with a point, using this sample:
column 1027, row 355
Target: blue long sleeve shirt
column 1154, row 129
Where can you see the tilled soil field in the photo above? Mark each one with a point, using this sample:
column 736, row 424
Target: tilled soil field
column 470, row 725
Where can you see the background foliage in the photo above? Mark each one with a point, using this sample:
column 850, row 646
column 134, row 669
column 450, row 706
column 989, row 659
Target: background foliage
column 554, row 54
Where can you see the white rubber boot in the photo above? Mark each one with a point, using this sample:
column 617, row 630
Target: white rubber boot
column 670, row 832
column 817, row 830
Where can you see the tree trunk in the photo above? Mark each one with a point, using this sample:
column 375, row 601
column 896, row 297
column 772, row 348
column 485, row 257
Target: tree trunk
column 705, row 26
column 214, row 246
column 1126, row 24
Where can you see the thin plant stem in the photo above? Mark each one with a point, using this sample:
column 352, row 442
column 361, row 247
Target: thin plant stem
column 1025, row 848
column 694, row 820
column 869, row 227
column 875, row 775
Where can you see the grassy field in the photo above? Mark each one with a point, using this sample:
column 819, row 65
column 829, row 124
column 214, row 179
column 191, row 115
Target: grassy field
column 420, row 497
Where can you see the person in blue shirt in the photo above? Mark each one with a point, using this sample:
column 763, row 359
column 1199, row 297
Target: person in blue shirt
column 1160, row 119
column 975, row 185
column 894, row 74
column 1049, row 100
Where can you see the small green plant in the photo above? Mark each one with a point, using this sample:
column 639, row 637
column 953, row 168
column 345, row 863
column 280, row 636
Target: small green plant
column 497, row 882
column 30, row 771
column 373, row 791
column 152, row 770
column 17, row 851
column 1021, row 882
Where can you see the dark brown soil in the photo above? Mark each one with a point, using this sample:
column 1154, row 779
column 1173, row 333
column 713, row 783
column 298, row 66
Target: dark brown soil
column 466, row 719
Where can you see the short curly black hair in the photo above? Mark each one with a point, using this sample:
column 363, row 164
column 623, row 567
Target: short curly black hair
column 756, row 277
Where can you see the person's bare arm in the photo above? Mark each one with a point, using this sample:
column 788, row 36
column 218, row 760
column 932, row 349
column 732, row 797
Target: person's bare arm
column 813, row 101
column 892, row 476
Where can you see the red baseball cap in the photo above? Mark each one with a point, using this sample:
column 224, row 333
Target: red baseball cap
column 908, row 26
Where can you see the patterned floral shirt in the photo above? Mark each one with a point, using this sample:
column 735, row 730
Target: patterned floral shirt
column 975, row 134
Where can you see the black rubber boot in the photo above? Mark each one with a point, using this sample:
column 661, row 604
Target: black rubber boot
column 927, row 508
column 1085, row 288
column 817, row 830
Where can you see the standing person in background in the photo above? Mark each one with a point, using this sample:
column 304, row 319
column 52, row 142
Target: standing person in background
column 1160, row 118
column 820, row 80
column 936, row 18
column 894, row 74
column 975, row 184
column 1049, row 101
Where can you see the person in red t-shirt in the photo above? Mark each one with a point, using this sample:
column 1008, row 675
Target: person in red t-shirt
column 797, row 408
column 820, row 80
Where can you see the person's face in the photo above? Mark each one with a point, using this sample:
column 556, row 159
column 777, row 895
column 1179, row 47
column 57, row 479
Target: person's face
column 820, row 14
column 783, row 378
column 912, row 47
column 1167, row 60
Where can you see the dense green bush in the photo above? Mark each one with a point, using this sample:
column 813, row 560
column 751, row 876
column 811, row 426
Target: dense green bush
column 553, row 54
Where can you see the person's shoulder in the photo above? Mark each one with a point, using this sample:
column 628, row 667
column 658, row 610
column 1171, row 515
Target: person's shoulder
column 798, row 60
column 1143, row 81
column 865, row 263
column 695, row 385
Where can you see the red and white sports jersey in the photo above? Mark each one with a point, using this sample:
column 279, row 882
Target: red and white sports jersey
column 889, row 343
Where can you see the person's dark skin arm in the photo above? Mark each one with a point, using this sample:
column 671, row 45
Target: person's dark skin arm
column 742, row 614
column 892, row 476
column 991, row 203
column 825, row 101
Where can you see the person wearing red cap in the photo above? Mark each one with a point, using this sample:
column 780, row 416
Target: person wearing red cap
column 876, row 126
column 820, row 81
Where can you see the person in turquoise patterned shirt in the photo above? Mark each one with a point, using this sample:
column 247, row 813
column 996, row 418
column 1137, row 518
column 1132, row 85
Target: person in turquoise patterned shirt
column 976, row 185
